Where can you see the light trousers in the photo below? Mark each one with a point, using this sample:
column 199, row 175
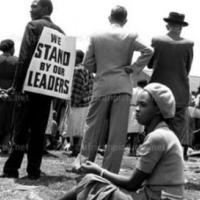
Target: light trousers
column 115, row 109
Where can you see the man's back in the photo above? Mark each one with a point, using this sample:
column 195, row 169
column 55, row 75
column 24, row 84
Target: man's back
column 113, row 50
column 30, row 39
column 171, row 64
column 108, row 54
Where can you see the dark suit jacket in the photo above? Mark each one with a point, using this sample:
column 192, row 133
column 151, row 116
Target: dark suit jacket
column 107, row 55
column 30, row 39
column 171, row 65
column 8, row 66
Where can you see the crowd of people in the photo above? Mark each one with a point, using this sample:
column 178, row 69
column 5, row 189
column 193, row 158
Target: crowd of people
column 105, row 111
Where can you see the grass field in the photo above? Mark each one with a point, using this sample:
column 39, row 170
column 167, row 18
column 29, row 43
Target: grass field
column 57, row 181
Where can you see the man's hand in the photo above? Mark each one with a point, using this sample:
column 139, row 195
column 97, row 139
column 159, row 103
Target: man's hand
column 90, row 167
column 128, row 69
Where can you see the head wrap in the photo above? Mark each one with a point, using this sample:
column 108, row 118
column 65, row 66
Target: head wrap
column 163, row 97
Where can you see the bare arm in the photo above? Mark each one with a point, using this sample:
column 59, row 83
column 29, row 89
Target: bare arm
column 130, row 183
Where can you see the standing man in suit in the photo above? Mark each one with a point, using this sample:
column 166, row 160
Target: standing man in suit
column 32, row 115
column 171, row 64
column 109, row 55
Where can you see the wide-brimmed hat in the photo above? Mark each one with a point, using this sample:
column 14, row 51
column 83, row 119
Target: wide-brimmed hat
column 163, row 97
column 176, row 18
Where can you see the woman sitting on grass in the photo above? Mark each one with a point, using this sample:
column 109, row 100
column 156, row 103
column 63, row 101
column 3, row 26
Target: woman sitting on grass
column 159, row 173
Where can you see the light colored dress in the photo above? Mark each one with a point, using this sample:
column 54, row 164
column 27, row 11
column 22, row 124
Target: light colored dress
column 161, row 157
column 75, row 115
column 76, row 121
column 50, row 120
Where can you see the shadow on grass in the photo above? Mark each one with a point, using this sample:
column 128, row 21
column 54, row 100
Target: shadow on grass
column 192, row 186
column 44, row 180
column 48, row 154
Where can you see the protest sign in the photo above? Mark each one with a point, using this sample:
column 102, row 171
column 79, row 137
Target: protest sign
column 52, row 66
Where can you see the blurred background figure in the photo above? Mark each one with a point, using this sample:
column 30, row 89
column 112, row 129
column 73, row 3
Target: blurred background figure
column 195, row 118
column 8, row 63
column 51, row 131
column 171, row 64
column 135, row 129
column 80, row 99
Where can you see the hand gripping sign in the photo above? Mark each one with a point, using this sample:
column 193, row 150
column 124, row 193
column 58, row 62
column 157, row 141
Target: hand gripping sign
column 52, row 66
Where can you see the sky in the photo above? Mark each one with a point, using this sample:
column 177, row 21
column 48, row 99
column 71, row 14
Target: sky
column 80, row 18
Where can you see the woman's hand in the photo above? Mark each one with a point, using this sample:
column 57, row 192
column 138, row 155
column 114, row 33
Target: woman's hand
column 90, row 167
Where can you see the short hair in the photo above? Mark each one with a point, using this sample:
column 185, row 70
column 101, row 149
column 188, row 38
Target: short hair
column 48, row 4
column 80, row 54
column 6, row 45
column 118, row 14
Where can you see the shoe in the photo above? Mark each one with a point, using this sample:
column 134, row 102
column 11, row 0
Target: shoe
column 5, row 175
column 101, row 151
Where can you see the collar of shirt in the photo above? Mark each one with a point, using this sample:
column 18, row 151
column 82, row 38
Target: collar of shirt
column 47, row 17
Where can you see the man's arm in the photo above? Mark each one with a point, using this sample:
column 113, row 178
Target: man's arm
column 26, row 51
column 89, row 59
column 130, row 183
column 190, row 58
column 150, row 64
column 144, row 58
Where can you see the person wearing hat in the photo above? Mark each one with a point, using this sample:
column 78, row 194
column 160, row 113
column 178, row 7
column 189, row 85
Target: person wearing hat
column 159, row 172
column 8, row 63
column 171, row 64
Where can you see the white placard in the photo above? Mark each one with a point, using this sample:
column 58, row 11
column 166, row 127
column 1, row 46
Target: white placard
column 52, row 66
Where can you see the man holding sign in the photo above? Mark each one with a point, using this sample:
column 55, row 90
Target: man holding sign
column 31, row 116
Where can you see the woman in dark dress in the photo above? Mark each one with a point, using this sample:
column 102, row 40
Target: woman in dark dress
column 8, row 63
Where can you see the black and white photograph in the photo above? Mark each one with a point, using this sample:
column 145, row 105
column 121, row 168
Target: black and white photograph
column 99, row 100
